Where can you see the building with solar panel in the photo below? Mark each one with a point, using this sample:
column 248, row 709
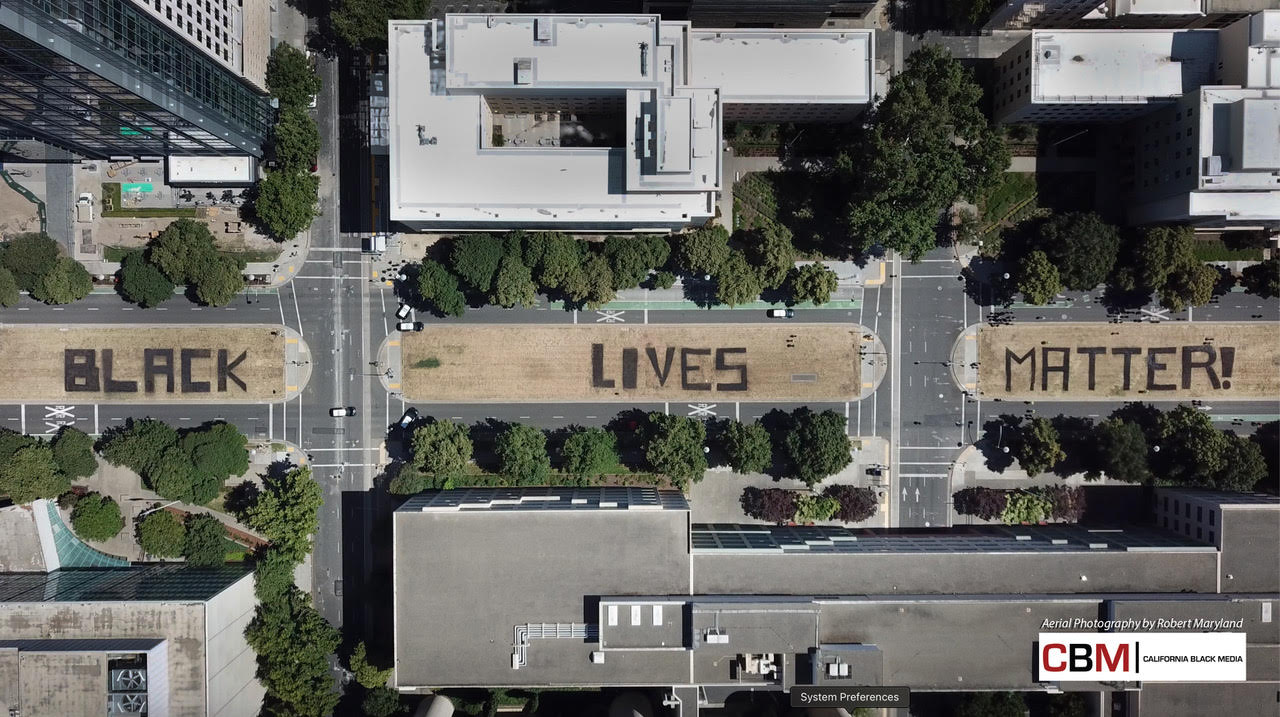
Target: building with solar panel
column 134, row 640
column 615, row 586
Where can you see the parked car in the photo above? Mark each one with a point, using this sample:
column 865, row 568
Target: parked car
column 403, row 312
column 84, row 208
column 337, row 587
column 781, row 313
column 409, row 417
column 340, row 411
column 409, row 326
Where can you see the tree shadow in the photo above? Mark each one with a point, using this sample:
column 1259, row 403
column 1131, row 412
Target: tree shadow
column 484, row 437
column 778, row 423
column 700, row 290
column 241, row 497
column 1077, row 438
column 1118, row 300
column 985, row 284
column 631, row 428
column 1000, row 440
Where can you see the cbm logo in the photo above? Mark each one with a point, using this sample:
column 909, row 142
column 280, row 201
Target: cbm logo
column 1098, row 658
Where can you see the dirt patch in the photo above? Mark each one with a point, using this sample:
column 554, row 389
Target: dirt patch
column 205, row 364
column 1151, row 362
column 791, row 362
column 17, row 214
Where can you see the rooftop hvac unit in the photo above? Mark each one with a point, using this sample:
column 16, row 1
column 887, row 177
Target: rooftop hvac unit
column 126, row 704
column 542, row 29
column 597, row 657
column 128, row 680
column 1213, row 165
column 716, row 637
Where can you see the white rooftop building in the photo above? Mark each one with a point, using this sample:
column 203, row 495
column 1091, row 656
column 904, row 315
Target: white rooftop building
column 592, row 123
column 1027, row 14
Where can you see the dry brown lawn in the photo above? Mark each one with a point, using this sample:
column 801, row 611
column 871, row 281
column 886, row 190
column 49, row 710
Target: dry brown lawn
column 784, row 362
column 32, row 362
column 1166, row 361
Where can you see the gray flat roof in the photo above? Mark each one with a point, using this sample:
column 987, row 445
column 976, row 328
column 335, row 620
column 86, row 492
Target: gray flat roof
column 465, row 580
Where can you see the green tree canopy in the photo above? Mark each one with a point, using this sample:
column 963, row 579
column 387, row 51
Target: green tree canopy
column 73, row 453
column 287, row 511
column 363, row 23
column 772, row 253
column 218, row 449
column 1038, row 278
column 812, row 508
column 1082, row 246
column 675, row 448
column 286, row 202
column 817, row 444
column 96, row 517
column 182, row 250
column 513, row 285
column 522, row 455
column 161, row 534
column 172, row 475
column 591, row 283
column 291, row 78
column 28, row 257
column 748, row 447
column 8, row 288
column 381, row 702
column 65, row 282
column 203, row 545
column 928, row 145
column 1122, row 451
column 774, row 505
column 555, row 257
column 295, row 139
column 442, row 448
column 143, row 283
column 139, row 444
column 631, row 258
column 1189, row 286
column 812, row 282
column 294, row 644
column 737, row 281
column 367, row 675
column 702, row 251
column 1040, row 446
column 31, row 473
column 856, row 503
column 590, row 452
column 475, row 258
column 1262, row 279
column 440, row 287
column 273, row 574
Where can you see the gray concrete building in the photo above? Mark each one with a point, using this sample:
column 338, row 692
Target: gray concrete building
column 584, row 587
column 161, row 640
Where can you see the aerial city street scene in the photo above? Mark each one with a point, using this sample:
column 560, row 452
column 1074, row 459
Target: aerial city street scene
column 640, row 358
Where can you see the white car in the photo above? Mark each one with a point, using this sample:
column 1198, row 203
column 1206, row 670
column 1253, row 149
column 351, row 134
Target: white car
column 405, row 326
column 403, row 312
column 341, row 411
column 781, row 313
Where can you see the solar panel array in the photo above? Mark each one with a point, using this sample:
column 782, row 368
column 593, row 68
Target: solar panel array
column 721, row 537
column 546, row 498
column 169, row 582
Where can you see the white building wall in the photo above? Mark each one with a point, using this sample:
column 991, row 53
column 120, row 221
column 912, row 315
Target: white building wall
column 231, row 663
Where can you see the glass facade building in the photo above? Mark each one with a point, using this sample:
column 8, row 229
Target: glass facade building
column 101, row 78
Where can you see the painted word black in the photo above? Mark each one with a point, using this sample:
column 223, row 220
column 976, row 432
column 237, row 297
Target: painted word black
column 81, row 372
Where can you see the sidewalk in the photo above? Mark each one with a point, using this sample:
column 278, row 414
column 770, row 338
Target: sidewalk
column 970, row 470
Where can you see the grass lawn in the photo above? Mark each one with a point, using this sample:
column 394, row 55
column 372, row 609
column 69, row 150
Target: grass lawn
column 235, row 552
column 810, row 206
column 1016, row 191
column 111, row 191
column 1215, row 250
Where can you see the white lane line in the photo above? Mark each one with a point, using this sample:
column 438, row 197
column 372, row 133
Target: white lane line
column 925, row 463
column 847, row 428
column 93, row 308
column 575, row 316
column 95, row 418
column 929, row 276
column 335, row 450
column 343, row 465
column 280, row 301
column 22, row 413
column 271, row 421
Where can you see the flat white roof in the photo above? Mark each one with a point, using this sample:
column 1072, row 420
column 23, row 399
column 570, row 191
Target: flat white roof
column 209, row 170
column 1242, row 127
column 783, row 65
column 1158, row 7
column 1130, row 66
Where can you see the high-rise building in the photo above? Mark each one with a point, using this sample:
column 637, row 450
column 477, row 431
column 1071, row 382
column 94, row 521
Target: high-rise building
column 105, row 78
column 1132, row 14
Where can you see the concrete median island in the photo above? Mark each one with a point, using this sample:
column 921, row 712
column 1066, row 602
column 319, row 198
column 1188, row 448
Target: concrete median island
column 1165, row 361
column 197, row 364
column 698, row 362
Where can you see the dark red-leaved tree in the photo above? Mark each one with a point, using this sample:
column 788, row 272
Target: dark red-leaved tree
column 986, row 503
column 856, row 504
column 772, row 504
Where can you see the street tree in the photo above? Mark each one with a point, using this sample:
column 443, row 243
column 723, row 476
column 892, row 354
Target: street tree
column 362, row 24
column 294, row 645
column 161, row 534
column 702, row 251
column 737, row 281
column 513, row 284
column 138, row 444
column 664, row 280
column 748, row 446
column 1158, row 252
column 557, row 259
column 817, row 445
column 1038, row 278
column 142, row 282
column 295, row 139
column 1268, row 439
column 772, row 254
column 1262, row 278
column 30, row 473
column 273, row 574
column 172, row 476
column 8, row 288
column 985, row 503
column 96, row 517
column 287, row 511
column 367, row 675
column 632, row 258
column 1082, row 246
column 182, row 250
column 991, row 704
column 73, row 453
column 291, row 78
column 1190, row 285
column 65, row 282
column 928, row 145
column 675, row 448
column 1122, row 451
column 442, row 448
column 812, row 508
column 220, row 281
column 28, row 257
column 591, row 283
column 1244, row 466
column 589, row 453
column 812, row 282
column 203, row 545
column 286, row 202
column 440, row 287
column 522, row 455
column 475, row 258
column 381, row 702
column 218, row 448
column 773, row 505
column 1040, row 447
column 856, row 503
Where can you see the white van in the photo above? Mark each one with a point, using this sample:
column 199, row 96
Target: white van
column 403, row 311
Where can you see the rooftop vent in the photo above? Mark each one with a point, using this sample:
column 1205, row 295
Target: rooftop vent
column 524, row 71
column 542, row 29
column 126, row 703
column 128, row 680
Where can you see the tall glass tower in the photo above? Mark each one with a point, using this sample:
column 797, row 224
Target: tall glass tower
column 103, row 78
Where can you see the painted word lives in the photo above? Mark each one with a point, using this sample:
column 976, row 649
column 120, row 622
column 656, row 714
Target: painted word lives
column 696, row 366
column 92, row 371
